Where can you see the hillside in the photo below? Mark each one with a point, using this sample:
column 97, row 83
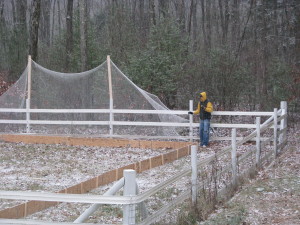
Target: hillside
column 272, row 198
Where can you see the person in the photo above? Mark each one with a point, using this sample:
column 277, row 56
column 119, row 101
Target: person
column 204, row 109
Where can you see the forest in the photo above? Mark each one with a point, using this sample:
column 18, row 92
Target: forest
column 244, row 53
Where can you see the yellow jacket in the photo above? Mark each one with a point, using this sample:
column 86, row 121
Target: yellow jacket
column 207, row 105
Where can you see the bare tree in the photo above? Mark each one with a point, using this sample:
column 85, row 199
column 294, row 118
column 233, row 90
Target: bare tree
column 235, row 23
column 59, row 12
column 21, row 8
column 13, row 11
column 34, row 28
column 163, row 8
column 191, row 12
column 45, row 21
column 2, row 19
column 53, row 20
column 83, row 33
column 209, row 22
column 152, row 12
column 69, row 38
column 224, row 15
column 296, row 31
column 142, row 16
column 180, row 11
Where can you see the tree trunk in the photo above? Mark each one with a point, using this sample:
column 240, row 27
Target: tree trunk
column 2, row 19
column 21, row 8
column 256, row 57
column 53, row 21
column 133, row 9
column 59, row 17
column 224, row 15
column 13, row 11
column 297, row 35
column 45, row 21
column 34, row 29
column 69, row 38
column 83, row 34
column 189, row 26
column 152, row 12
column 208, row 23
column 142, row 17
column 235, row 24
column 163, row 8
column 194, row 23
column 264, row 60
column 275, row 25
column 203, row 21
column 180, row 11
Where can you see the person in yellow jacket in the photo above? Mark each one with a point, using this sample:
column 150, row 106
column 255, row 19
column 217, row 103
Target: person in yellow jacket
column 204, row 109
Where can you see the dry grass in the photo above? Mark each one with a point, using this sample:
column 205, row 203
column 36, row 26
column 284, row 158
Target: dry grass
column 272, row 198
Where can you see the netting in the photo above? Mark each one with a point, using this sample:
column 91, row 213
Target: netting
column 86, row 90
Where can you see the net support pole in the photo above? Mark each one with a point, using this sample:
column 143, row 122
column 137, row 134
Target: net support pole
column 28, row 94
column 111, row 102
column 191, row 103
column 257, row 161
column 129, row 190
column 194, row 173
column 233, row 157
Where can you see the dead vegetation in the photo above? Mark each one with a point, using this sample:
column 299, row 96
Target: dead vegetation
column 272, row 197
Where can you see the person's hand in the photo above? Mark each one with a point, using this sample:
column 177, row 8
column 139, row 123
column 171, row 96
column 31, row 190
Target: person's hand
column 190, row 113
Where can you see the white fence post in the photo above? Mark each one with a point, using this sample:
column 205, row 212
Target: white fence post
column 111, row 117
column 191, row 119
column 233, row 156
column 283, row 122
column 275, row 131
column 194, row 149
column 258, row 142
column 29, row 70
column 129, row 190
column 27, row 115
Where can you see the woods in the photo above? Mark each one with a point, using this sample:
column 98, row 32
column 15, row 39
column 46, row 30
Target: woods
column 244, row 53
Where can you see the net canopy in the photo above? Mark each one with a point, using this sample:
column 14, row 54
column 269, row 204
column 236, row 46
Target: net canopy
column 52, row 90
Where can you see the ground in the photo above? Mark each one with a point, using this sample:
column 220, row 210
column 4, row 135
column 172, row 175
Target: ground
column 273, row 197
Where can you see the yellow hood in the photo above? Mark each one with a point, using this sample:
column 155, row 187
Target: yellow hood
column 203, row 96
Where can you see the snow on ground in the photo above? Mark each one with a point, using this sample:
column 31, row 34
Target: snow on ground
column 145, row 180
column 55, row 167
column 51, row 168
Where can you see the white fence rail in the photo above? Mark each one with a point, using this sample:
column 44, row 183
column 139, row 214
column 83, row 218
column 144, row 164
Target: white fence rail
column 238, row 163
column 189, row 123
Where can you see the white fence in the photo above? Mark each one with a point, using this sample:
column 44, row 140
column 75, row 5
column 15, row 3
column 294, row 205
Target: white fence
column 188, row 124
column 214, row 174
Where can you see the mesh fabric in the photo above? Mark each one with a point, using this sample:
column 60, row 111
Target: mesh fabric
column 86, row 90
